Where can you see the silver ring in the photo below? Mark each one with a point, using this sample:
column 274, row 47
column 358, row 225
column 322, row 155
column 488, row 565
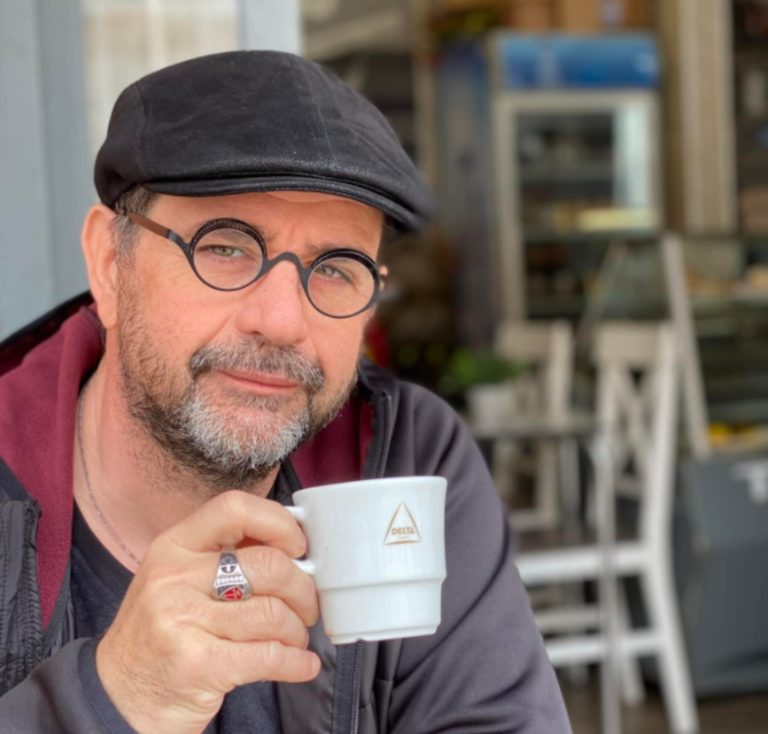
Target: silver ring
column 230, row 583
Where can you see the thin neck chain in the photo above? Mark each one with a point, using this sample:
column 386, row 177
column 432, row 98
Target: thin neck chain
column 89, row 487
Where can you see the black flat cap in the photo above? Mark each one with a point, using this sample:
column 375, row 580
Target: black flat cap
column 247, row 121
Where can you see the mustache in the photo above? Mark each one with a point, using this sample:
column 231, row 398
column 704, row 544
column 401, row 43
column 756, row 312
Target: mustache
column 281, row 361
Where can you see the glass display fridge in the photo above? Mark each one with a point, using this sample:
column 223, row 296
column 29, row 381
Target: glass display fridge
column 549, row 152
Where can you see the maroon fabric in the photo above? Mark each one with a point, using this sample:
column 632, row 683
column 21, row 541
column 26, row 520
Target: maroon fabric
column 337, row 454
column 14, row 348
column 37, row 427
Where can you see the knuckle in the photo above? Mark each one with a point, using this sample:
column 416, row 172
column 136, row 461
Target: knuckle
column 273, row 653
column 196, row 657
column 273, row 565
column 167, row 601
column 309, row 588
column 232, row 501
column 274, row 612
column 158, row 550
column 314, row 614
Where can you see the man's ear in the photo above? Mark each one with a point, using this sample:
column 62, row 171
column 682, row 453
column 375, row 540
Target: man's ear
column 371, row 312
column 100, row 255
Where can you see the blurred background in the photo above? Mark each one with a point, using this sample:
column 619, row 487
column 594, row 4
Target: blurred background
column 597, row 164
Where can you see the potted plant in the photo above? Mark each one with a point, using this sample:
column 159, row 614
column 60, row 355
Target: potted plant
column 484, row 379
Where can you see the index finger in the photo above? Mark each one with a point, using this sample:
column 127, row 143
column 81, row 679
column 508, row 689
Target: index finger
column 234, row 517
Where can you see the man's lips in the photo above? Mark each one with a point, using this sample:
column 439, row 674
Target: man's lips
column 261, row 381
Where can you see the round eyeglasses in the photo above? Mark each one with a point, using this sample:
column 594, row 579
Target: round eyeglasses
column 229, row 255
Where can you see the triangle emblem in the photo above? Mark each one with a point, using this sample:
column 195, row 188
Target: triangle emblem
column 402, row 527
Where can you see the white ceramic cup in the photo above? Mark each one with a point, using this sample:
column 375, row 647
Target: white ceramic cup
column 376, row 550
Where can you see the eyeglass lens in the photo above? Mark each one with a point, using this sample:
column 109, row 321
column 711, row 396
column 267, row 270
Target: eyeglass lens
column 229, row 259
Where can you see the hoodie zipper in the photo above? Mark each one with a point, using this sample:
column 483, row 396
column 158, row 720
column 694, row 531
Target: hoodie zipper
column 382, row 405
column 22, row 643
column 357, row 677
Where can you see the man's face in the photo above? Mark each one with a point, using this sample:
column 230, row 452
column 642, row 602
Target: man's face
column 229, row 383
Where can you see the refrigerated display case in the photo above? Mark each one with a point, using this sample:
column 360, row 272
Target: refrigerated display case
column 550, row 153
column 574, row 171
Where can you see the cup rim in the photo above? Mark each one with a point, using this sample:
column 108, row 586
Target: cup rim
column 358, row 485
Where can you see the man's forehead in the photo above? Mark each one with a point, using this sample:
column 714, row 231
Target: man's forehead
column 310, row 197
column 320, row 200
column 267, row 202
column 326, row 219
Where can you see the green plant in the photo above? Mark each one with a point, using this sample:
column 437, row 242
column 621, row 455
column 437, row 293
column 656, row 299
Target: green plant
column 467, row 367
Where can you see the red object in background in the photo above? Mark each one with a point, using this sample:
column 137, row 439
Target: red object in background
column 376, row 343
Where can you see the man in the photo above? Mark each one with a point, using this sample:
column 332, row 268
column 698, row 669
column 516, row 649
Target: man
column 232, row 266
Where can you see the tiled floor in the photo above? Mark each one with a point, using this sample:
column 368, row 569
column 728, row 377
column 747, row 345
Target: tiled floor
column 728, row 715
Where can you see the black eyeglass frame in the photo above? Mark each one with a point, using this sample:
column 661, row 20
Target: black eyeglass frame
column 188, row 248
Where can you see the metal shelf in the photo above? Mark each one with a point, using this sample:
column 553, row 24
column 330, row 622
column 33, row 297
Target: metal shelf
column 597, row 237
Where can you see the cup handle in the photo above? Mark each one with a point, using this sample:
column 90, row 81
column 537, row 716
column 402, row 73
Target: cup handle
column 306, row 565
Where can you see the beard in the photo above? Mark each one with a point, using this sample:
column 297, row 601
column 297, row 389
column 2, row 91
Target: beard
column 235, row 440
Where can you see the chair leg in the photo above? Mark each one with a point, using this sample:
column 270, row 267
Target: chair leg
column 673, row 664
column 569, row 481
column 503, row 463
column 573, row 596
column 547, row 501
column 632, row 685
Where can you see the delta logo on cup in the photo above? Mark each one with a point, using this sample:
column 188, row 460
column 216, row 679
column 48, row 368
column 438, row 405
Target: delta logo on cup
column 402, row 527
column 376, row 550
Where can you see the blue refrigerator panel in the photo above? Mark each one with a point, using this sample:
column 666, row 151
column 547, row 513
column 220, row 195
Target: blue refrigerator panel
column 624, row 61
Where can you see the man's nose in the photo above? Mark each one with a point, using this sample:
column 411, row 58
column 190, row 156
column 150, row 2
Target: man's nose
column 276, row 307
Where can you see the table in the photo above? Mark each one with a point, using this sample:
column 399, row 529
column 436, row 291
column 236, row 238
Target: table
column 566, row 430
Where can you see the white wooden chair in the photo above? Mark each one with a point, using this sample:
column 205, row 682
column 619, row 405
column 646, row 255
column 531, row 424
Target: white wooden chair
column 637, row 395
column 547, row 349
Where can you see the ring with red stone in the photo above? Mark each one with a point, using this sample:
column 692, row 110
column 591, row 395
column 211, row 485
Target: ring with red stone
column 230, row 583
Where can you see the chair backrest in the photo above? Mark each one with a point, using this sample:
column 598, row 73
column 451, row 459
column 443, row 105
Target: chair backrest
column 546, row 347
column 637, row 395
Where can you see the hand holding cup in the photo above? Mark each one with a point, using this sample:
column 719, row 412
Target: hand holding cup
column 173, row 651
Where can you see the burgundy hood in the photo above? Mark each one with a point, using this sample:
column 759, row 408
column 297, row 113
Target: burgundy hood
column 38, row 395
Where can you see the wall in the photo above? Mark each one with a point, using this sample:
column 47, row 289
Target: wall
column 45, row 152
column 45, row 183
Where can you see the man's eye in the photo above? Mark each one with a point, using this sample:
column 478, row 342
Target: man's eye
column 227, row 251
column 227, row 244
column 328, row 270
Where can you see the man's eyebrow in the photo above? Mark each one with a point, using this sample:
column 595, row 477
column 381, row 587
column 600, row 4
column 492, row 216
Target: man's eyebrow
column 200, row 223
column 314, row 250
column 311, row 250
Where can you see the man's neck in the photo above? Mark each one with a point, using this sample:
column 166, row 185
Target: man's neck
column 127, row 488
